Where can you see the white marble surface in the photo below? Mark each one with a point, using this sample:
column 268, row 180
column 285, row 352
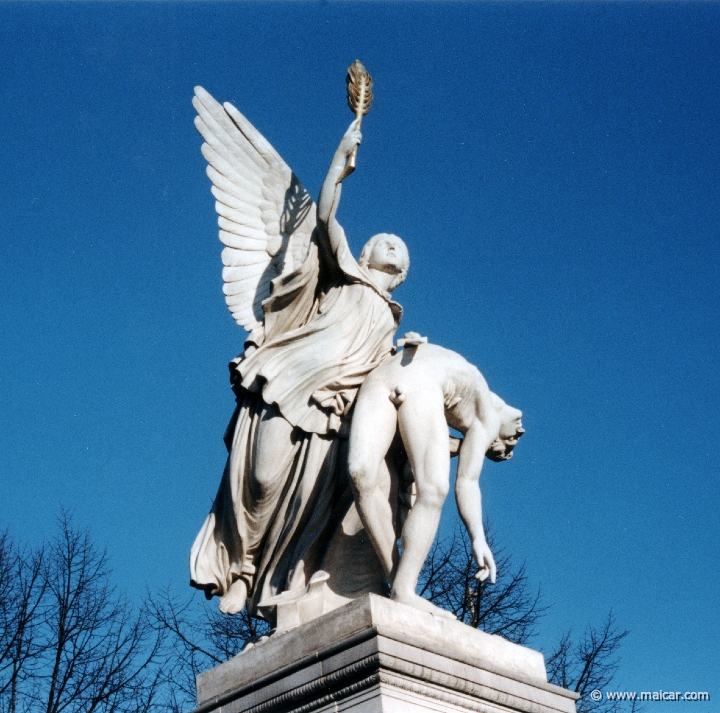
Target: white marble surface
column 321, row 326
column 375, row 654
column 319, row 321
column 420, row 392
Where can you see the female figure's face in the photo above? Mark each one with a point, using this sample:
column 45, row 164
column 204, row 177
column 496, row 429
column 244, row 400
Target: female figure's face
column 388, row 255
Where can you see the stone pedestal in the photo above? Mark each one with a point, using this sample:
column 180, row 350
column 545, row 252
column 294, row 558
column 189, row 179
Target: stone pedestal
column 376, row 656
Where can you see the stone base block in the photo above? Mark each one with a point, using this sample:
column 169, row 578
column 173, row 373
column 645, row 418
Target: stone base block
column 377, row 656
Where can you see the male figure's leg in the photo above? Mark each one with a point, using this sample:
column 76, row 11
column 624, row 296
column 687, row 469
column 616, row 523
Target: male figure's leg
column 424, row 433
column 371, row 434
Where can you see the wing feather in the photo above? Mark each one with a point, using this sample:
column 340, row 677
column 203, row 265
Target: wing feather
column 229, row 187
column 232, row 240
column 230, row 171
column 233, row 202
column 248, row 285
column 249, row 228
column 251, row 218
column 231, row 274
column 217, row 120
column 261, row 144
column 266, row 217
column 243, row 316
column 233, row 301
column 238, row 258
column 222, row 136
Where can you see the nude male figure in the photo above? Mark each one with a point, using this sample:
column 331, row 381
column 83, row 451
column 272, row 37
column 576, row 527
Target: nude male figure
column 422, row 390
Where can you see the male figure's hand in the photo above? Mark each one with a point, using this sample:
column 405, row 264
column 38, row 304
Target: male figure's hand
column 485, row 560
column 412, row 339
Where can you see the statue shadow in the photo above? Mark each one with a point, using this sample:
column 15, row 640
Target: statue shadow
column 408, row 354
column 297, row 204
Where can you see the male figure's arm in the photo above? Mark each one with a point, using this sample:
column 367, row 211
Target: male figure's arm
column 481, row 433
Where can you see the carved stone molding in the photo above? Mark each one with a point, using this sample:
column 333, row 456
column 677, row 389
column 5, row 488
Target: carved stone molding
column 384, row 658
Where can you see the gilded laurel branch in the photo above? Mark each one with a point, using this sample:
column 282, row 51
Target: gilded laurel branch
column 359, row 97
column 359, row 89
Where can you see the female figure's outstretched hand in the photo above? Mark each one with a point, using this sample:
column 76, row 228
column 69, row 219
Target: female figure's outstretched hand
column 351, row 139
column 330, row 192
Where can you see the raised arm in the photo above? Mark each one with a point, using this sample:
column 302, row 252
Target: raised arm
column 330, row 195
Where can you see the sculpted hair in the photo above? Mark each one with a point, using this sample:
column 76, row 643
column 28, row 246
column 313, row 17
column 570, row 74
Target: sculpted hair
column 365, row 257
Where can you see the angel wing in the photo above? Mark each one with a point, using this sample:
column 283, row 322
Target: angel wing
column 265, row 215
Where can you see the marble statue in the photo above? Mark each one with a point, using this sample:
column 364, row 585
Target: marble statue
column 319, row 322
column 331, row 423
column 421, row 391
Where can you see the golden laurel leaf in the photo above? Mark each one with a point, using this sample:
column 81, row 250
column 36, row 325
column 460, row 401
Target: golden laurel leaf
column 359, row 88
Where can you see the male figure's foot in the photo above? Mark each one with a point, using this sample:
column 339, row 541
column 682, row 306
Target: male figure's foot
column 418, row 602
column 233, row 601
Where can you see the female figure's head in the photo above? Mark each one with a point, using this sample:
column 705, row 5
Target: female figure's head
column 386, row 253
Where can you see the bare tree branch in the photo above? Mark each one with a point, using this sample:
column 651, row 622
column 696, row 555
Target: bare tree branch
column 508, row 608
column 76, row 644
column 198, row 637
column 21, row 594
column 512, row 609
column 589, row 664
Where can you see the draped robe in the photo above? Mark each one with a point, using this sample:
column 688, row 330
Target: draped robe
column 326, row 327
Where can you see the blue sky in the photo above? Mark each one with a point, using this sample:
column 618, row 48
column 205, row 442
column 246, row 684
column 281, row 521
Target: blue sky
column 555, row 172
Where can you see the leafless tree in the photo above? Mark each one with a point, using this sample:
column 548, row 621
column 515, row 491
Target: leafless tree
column 509, row 607
column 77, row 646
column 69, row 643
column 589, row 664
column 512, row 609
column 202, row 637
column 21, row 593
column 199, row 637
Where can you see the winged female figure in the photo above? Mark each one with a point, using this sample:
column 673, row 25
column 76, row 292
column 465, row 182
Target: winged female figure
column 318, row 321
